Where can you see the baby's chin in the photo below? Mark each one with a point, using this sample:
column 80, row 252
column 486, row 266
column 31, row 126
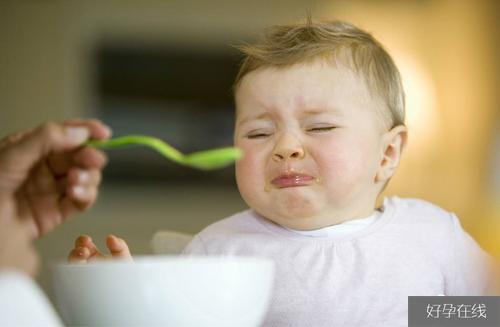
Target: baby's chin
column 296, row 222
column 291, row 201
column 302, row 216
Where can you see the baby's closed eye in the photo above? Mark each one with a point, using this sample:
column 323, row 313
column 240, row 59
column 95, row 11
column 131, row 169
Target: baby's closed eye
column 313, row 129
column 259, row 135
column 321, row 129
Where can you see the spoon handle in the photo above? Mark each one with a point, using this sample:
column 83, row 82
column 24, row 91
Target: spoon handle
column 204, row 160
column 131, row 140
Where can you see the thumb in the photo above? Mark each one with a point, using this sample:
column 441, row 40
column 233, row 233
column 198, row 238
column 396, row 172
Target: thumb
column 118, row 248
column 18, row 155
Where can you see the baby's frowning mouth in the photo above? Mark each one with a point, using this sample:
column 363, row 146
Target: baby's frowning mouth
column 292, row 180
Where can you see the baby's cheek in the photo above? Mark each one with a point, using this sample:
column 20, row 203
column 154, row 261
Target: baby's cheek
column 345, row 173
column 248, row 174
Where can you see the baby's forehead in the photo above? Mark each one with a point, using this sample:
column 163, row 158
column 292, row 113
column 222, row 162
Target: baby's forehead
column 302, row 85
column 311, row 80
column 309, row 68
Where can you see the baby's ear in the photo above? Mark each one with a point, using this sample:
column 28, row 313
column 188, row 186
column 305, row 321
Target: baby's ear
column 394, row 145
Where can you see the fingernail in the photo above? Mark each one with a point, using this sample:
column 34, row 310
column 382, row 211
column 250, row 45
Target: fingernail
column 83, row 176
column 79, row 190
column 77, row 133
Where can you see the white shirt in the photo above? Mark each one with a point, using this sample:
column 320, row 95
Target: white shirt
column 347, row 227
column 22, row 302
column 362, row 278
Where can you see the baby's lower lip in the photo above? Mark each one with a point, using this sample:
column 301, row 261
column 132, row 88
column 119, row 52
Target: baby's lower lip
column 291, row 182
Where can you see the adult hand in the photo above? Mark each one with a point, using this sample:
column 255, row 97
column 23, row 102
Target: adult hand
column 16, row 249
column 47, row 176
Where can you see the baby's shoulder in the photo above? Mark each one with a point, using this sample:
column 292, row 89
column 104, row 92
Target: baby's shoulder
column 422, row 225
column 421, row 212
column 417, row 206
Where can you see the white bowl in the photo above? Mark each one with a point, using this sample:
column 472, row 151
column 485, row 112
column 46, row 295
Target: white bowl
column 165, row 291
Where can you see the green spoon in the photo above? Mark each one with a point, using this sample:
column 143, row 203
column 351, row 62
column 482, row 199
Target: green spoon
column 204, row 160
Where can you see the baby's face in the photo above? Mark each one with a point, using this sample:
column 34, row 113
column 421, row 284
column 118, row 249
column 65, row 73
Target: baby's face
column 312, row 142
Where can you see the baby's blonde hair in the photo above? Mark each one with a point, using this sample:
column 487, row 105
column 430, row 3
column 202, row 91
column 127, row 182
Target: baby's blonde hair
column 335, row 42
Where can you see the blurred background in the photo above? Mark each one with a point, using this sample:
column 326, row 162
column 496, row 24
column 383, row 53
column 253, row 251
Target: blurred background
column 164, row 68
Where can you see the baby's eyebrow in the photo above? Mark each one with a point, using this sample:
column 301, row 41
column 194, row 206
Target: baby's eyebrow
column 264, row 115
column 302, row 115
column 311, row 112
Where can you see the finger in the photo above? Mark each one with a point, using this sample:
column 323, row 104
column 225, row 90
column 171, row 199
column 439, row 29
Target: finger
column 85, row 241
column 86, row 157
column 78, row 255
column 118, row 248
column 84, row 177
column 90, row 157
column 98, row 130
column 80, row 189
column 77, row 199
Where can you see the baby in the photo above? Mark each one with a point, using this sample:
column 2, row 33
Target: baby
column 320, row 117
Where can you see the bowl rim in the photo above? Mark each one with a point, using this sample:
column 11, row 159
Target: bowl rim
column 146, row 260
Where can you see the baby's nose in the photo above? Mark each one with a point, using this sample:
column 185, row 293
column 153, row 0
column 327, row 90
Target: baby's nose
column 288, row 147
column 287, row 152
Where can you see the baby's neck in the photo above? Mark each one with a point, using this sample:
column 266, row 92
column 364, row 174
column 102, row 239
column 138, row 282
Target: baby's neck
column 346, row 227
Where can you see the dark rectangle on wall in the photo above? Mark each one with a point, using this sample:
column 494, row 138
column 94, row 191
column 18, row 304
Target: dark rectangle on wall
column 180, row 96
